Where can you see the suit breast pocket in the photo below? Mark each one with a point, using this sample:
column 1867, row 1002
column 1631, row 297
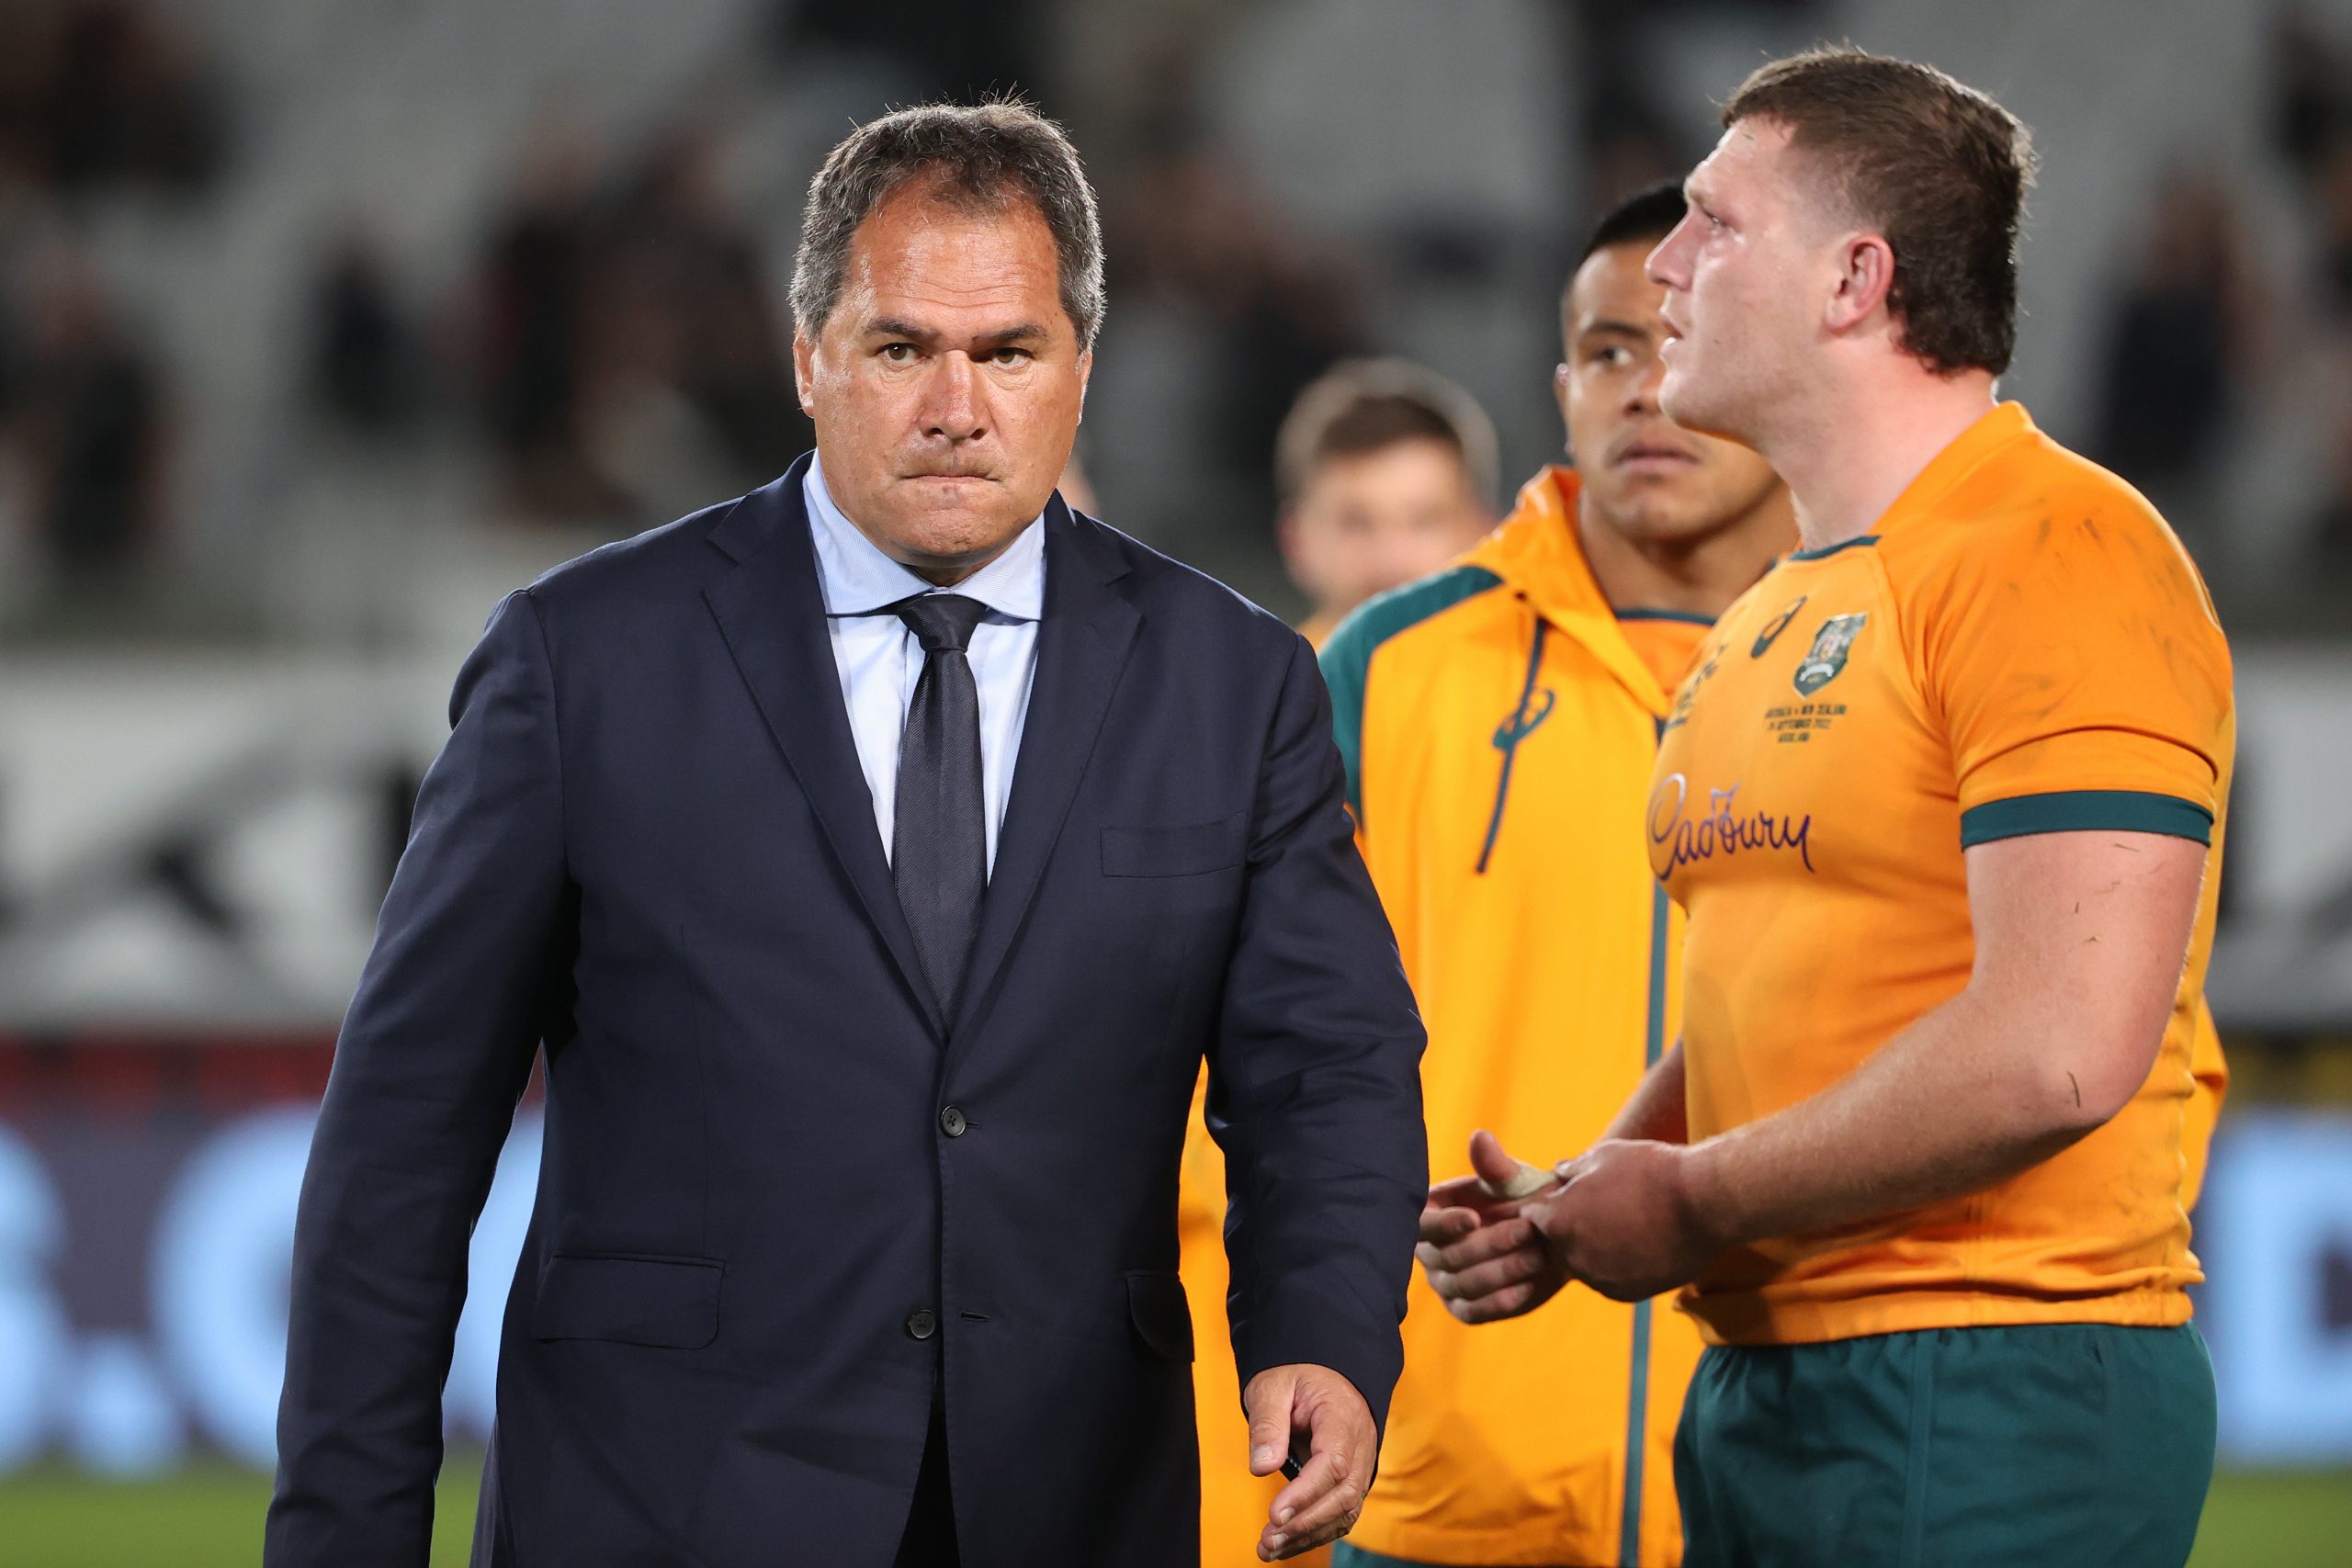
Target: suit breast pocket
column 1193, row 850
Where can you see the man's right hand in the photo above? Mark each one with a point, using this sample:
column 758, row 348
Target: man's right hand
column 1483, row 1257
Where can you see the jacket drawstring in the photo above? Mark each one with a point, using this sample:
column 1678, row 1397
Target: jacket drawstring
column 1522, row 723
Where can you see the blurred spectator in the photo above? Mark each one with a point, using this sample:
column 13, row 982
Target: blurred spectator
column 1629, row 141
column 536, row 295
column 2332, row 198
column 101, row 93
column 1183, row 230
column 1387, row 472
column 2331, row 530
column 631, row 331
column 948, row 49
column 2184, row 342
column 366, row 366
column 682, row 258
column 93, row 427
column 2308, row 109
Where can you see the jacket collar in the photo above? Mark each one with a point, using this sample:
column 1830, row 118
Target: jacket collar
column 1538, row 554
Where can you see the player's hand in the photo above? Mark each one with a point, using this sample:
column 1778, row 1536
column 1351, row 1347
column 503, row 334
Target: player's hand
column 1483, row 1258
column 1287, row 1403
column 1498, row 1187
column 1626, row 1220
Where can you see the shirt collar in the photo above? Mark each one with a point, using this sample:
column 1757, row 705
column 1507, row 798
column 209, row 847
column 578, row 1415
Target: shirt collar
column 857, row 578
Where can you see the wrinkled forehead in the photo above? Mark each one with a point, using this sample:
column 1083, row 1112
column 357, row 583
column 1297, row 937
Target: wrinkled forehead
column 918, row 256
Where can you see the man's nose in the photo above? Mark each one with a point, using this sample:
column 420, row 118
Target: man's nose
column 955, row 405
column 1664, row 266
column 1641, row 398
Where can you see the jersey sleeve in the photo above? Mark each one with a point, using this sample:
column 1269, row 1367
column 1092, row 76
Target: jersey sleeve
column 2073, row 657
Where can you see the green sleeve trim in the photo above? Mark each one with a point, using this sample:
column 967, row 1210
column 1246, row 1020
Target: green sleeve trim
column 1347, row 657
column 2085, row 810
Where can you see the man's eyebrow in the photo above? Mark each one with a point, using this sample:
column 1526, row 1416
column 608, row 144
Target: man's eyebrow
column 892, row 327
column 1610, row 326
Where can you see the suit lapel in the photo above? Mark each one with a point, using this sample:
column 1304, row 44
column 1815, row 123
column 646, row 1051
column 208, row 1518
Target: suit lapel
column 772, row 613
column 1082, row 646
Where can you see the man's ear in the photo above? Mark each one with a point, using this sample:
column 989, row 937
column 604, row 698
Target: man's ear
column 804, row 371
column 1560, row 396
column 1085, row 371
column 1865, row 277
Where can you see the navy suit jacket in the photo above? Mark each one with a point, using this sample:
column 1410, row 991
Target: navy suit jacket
column 760, row 1234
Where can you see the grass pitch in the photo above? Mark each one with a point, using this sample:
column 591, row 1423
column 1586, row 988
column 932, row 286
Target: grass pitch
column 211, row 1516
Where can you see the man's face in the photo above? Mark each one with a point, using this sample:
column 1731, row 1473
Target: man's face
column 946, row 385
column 1745, row 274
column 1646, row 476
column 1368, row 522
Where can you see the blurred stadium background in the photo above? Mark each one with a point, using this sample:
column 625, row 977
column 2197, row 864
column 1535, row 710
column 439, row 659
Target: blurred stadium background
column 323, row 322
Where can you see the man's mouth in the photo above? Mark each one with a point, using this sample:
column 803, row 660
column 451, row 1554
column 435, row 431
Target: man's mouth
column 1653, row 456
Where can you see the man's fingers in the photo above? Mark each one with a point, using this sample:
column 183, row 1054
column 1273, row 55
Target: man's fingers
column 1486, row 1242
column 1324, row 1471
column 1497, row 1274
column 1324, row 1503
column 1269, row 1399
column 1306, row 1517
column 1473, row 1196
column 1439, row 1227
column 1509, row 1302
column 1495, row 1166
column 1460, row 1192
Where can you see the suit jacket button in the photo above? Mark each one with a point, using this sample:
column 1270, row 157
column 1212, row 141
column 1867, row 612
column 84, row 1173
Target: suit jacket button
column 922, row 1324
column 952, row 1122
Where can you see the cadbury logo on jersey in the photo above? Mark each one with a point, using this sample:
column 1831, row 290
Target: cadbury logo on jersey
column 1722, row 828
column 1827, row 656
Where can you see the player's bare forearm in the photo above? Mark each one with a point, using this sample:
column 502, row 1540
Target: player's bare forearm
column 1655, row 1109
column 1934, row 1115
column 2080, row 942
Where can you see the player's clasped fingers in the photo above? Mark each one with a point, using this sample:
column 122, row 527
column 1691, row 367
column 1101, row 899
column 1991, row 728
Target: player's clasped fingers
column 1441, row 1227
column 1481, row 1245
column 1501, row 1273
column 1509, row 1302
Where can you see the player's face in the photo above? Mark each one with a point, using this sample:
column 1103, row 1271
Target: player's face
column 1740, row 273
column 1372, row 521
column 1645, row 476
column 946, row 384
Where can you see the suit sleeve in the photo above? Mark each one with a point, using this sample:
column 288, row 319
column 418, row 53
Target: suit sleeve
column 1315, row 1079
column 468, row 971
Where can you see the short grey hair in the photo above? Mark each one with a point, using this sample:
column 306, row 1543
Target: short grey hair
column 978, row 157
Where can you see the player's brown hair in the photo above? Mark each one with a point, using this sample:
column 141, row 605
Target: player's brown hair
column 1938, row 168
column 1365, row 405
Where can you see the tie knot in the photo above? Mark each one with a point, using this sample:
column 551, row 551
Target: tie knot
column 943, row 623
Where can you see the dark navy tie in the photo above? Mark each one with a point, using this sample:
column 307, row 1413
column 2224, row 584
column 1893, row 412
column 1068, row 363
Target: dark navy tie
column 939, row 847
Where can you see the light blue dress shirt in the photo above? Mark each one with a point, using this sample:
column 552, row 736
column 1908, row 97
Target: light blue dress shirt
column 880, row 661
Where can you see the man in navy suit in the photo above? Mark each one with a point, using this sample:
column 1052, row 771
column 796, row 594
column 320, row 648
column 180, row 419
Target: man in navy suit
column 874, row 858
